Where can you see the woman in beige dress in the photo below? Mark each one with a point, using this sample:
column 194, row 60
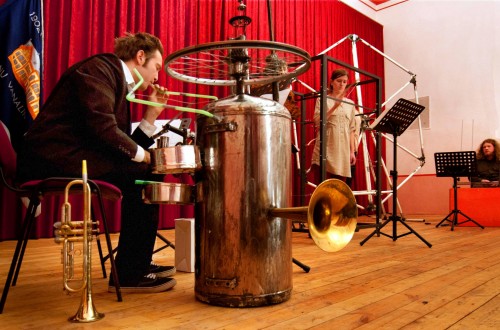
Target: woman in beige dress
column 339, row 130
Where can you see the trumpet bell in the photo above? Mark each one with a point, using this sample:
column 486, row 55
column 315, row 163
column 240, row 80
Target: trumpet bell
column 332, row 215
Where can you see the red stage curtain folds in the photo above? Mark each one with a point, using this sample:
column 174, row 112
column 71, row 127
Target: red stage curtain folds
column 75, row 30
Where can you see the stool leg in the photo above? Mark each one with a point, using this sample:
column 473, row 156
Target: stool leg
column 16, row 261
column 166, row 241
column 30, row 219
column 101, row 257
column 99, row 248
column 110, row 248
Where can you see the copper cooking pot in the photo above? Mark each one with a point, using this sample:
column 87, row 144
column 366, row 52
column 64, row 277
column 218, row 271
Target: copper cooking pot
column 175, row 159
column 167, row 193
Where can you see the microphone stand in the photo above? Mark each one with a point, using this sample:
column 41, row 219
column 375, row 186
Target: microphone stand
column 181, row 131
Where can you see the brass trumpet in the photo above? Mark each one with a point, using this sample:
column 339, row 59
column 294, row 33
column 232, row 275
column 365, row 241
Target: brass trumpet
column 331, row 215
column 68, row 232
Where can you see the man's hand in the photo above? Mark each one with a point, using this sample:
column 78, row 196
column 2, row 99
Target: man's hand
column 488, row 183
column 147, row 157
column 158, row 96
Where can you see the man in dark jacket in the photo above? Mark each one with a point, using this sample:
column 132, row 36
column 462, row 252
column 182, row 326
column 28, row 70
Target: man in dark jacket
column 488, row 164
column 87, row 117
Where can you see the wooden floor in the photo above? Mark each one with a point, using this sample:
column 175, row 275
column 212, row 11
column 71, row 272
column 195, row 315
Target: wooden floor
column 383, row 284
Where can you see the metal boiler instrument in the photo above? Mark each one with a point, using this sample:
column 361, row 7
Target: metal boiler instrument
column 243, row 188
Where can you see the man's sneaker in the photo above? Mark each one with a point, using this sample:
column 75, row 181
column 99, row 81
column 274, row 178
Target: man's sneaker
column 162, row 271
column 148, row 284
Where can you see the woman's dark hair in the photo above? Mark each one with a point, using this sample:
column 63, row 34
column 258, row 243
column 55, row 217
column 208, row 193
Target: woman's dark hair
column 126, row 47
column 335, row 74
column 338, row 73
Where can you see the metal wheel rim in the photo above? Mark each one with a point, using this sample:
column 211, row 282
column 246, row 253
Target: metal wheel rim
column 302, row 62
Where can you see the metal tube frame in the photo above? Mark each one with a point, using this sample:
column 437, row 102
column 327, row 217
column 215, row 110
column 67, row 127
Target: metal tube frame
column 354, row 39
column 323, row 109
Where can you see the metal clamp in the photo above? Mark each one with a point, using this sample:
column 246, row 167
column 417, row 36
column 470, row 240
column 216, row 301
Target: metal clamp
column 222, row 127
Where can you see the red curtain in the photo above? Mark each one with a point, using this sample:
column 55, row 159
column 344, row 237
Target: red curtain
column 75, row 30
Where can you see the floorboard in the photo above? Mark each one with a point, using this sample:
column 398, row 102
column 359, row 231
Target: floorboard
column 383, row 284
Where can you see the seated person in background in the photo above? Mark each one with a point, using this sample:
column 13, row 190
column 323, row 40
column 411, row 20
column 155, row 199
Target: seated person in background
column 488, row 165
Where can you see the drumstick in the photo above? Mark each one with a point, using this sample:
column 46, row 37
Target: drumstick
column 131, row 98
column 145, row 182
column 202, row 96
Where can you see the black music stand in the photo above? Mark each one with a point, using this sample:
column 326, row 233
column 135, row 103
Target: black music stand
column 455, row 165
column 395, row 121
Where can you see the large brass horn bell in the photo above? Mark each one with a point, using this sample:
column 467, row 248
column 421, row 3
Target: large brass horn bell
column 331, row 215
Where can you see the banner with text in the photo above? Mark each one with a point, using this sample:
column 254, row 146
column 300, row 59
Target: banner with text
column 21, row 45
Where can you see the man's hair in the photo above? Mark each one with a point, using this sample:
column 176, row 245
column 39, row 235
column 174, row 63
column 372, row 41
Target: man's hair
column 480, row 153
column 275, row 65
column 126, row 47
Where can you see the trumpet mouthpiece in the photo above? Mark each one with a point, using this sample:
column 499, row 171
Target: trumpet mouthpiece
column 84, row 171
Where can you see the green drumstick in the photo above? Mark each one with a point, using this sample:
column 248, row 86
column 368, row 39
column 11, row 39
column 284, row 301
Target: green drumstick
column 145, row 182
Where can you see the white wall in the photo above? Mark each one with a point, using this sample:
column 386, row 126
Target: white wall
column 454, row 49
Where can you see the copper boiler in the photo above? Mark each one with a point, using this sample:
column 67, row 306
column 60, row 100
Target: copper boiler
column 243, row 257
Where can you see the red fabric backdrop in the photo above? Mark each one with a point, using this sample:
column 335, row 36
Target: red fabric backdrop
column 75, row 30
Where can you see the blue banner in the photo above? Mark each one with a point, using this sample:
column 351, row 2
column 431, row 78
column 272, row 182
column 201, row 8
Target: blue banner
column 21, row 44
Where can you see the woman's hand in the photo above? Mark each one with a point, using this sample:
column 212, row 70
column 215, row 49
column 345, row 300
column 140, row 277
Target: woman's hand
column 332, row 109
column 353, row 158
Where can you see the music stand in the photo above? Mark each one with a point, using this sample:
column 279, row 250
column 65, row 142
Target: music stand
column 395, row 121
column 456, row 164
